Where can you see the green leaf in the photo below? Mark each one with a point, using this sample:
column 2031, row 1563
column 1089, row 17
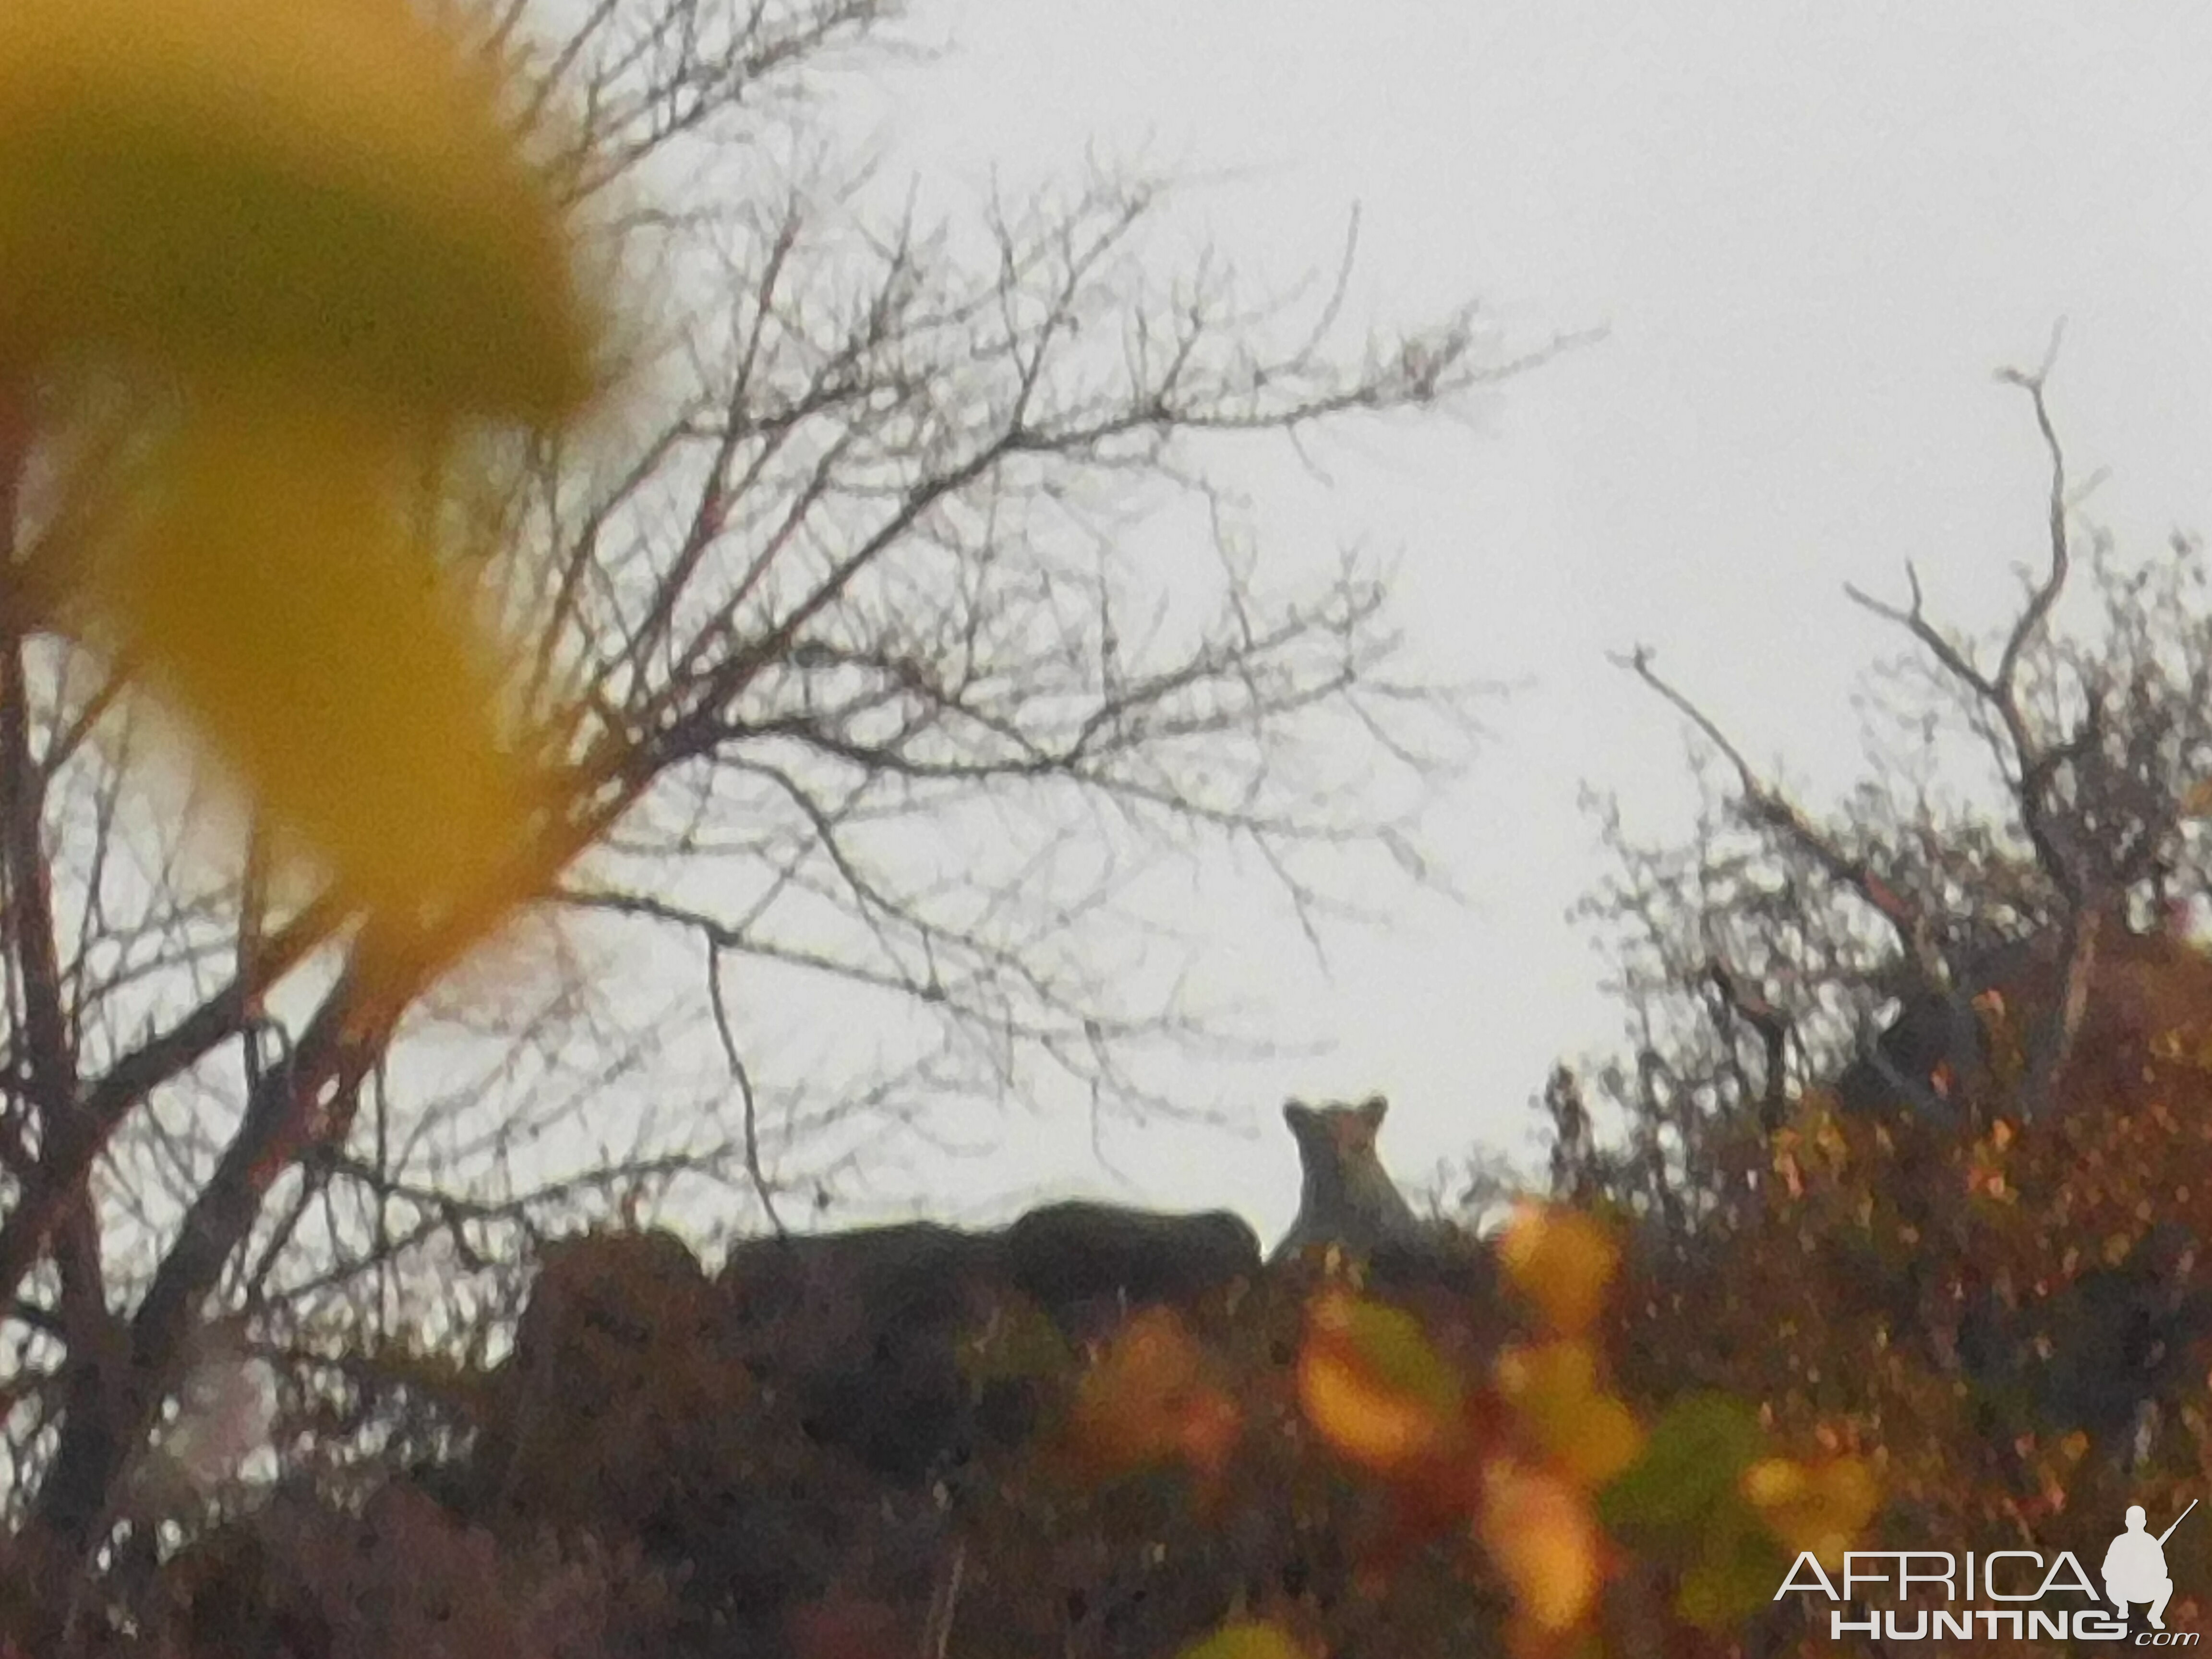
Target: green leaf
column 1695, row 1456
column 1738, row 1569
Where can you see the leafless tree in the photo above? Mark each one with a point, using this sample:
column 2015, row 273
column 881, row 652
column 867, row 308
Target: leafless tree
column 844, row 631
column 2031, row 797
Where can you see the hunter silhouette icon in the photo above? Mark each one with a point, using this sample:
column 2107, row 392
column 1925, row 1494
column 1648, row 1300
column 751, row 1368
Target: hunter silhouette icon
column 2134, row 1566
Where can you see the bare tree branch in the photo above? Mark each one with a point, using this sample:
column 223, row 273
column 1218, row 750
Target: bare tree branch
column 1765, row 805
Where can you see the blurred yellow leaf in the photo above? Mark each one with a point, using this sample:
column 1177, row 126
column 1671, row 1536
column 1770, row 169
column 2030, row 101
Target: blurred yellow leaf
column 1561, row 1373
column 1151, row 1398
column 1607, row 1441
column 1819, row 1507
column 1562, row 1261
column 322, row 186
column 1553, row 1389
column 1370, row 1383
column 1246, row 1639
column 267, row 581
column 1544, row 1542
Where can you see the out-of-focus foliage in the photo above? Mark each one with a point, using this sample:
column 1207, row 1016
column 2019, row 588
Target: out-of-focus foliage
column 308, row 242
column 304, row 237
column 1246, row 1639
column 277, row 284
column 266, row 577
column 1369, row 1381
column 1272, row 1464
column 320, row 192
column 1152, row 1399
column 1563, row 1261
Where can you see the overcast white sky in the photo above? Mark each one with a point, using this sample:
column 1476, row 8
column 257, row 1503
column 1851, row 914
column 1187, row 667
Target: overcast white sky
column 1811, row 230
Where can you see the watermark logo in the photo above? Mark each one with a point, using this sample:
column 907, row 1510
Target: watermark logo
column 1933, row 1595
column 2134, row 1566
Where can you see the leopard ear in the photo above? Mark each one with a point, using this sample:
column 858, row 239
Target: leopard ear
column 1373, row 1110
